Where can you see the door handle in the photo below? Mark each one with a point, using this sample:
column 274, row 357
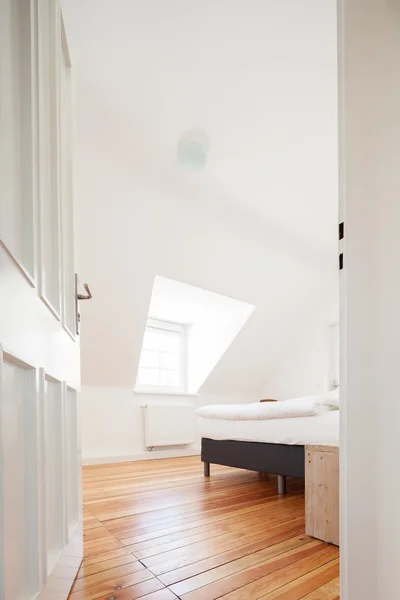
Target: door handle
column 86, row 296
column 79, row 297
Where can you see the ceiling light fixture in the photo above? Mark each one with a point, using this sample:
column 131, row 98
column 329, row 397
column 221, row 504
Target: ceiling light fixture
column 193, row 149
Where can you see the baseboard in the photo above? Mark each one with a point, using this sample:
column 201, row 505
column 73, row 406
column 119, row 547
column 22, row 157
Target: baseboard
column 147, row 455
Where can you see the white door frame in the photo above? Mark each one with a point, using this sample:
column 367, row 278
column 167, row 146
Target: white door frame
column 369, row 132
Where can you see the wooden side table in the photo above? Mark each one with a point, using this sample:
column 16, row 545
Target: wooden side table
column 322, row 492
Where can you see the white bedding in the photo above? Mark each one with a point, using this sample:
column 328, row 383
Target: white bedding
column 318, row 429
column 297, row 407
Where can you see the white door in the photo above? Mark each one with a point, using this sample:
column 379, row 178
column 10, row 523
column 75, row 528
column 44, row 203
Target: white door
column 40, row 530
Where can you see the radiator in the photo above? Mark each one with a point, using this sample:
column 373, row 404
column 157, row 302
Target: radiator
column 168, row 425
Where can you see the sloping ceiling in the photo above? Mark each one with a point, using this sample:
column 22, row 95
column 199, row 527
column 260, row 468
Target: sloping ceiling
column 258, row 223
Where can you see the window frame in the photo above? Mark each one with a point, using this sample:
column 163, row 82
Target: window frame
column 166, row 389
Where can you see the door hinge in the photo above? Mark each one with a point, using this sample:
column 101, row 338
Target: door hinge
column 341, row 236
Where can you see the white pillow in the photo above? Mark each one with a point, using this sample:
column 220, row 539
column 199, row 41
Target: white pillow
column 321, row 402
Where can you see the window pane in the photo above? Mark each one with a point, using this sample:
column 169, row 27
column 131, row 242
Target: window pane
column 150, row 341
column 170, row 341
column 168, row 360
column 161, row 358
column 148, row 376
column 149, row 358
column 169, row 378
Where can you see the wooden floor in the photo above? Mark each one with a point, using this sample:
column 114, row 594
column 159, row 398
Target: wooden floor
column 158, row 530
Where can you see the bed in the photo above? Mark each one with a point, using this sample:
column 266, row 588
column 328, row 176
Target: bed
column 270, row 446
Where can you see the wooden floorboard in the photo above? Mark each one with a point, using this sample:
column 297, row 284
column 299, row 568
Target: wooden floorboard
column 158, row 530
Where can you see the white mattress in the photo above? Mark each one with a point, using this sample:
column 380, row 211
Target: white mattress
column 318, row 429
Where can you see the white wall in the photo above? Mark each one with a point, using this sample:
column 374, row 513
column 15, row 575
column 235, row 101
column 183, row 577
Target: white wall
column 113, row 422
column 370, row 415
column 307, row 365
column 138, row 230
column 209, row 338
column 258, row 224
column 132, row 241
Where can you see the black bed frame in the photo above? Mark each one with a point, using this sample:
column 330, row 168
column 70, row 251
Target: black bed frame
column 280, row 459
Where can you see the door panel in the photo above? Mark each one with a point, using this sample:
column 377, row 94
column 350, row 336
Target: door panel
column 40, row 487
column 54, row 472
column 73, row 461
column 19, row 490
column 49, row 143
column 16, row 191
column 68, row 294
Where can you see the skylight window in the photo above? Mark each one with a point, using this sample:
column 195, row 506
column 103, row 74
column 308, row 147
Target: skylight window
column 162, row 365
column 177, row 358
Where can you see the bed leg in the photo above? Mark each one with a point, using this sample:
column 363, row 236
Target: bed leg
column 281, row 484
column 206, row 469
